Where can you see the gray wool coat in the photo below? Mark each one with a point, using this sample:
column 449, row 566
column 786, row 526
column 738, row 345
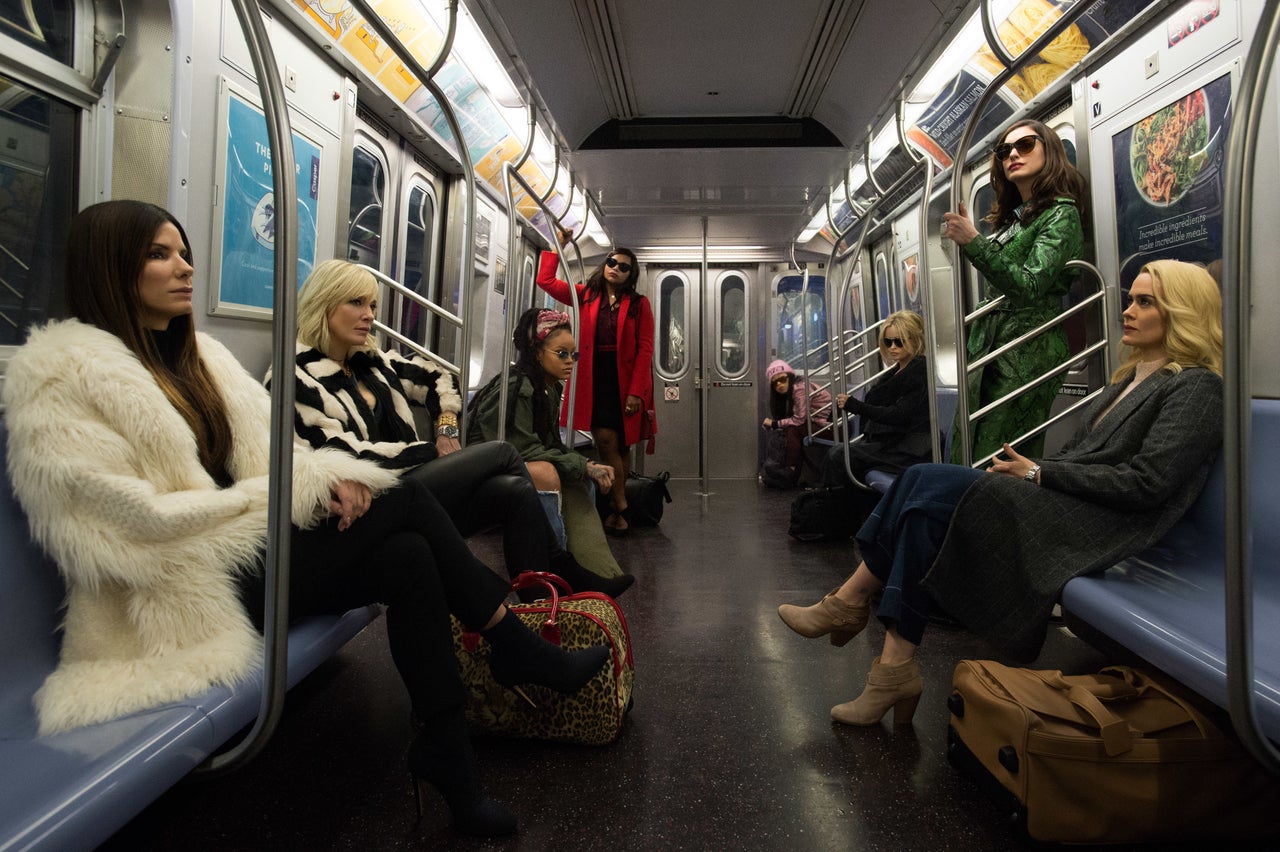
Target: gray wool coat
column 1108, row 494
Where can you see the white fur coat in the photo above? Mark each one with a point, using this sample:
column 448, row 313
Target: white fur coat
column 149, row 546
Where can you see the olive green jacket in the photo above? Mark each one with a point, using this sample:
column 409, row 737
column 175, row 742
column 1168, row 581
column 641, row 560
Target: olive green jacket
column 482, row 425
column 1027, row 264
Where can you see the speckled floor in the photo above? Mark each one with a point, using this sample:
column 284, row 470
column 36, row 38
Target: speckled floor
column 729, row 745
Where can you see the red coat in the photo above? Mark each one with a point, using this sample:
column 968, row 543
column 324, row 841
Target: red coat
column 635, row 355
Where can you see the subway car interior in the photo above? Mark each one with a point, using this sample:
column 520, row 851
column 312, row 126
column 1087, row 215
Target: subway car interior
column 786, row 177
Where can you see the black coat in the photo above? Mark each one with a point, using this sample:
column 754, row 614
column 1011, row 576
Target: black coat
column 1108, row 494
column 895, row 417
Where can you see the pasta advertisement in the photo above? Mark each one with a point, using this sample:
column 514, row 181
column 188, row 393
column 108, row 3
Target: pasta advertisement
column 1168, row 180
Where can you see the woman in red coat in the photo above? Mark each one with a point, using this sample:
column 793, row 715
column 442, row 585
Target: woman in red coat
column 614, row 398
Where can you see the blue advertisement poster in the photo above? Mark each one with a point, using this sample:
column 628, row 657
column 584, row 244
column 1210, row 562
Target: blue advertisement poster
column 1169, row 181
column 248, row 217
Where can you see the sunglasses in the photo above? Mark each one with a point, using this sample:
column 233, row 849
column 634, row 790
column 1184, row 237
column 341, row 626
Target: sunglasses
column 1022, row 146
column 894, row 341
column 622, row 266
column 565, row 354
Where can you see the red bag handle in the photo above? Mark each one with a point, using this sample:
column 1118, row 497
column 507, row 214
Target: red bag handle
column 528, row 579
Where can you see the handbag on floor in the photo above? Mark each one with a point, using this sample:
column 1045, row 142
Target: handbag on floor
column 828, row 514
column 594, row 714
column 645, row 498
column 1117, row 757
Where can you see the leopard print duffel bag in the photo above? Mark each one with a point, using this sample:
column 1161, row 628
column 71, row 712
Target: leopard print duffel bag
column 594, row 714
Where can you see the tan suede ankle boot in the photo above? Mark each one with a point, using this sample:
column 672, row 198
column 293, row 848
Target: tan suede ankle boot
column 829, row 615
column 897, row 686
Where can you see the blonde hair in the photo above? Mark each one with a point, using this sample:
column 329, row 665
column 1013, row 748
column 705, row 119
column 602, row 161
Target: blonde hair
column 910, row 328
column 330, row 284
column 1191, row 306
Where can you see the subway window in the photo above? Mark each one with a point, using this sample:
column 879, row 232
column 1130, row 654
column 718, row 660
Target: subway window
column 672, row 320
column 47, row 26
column 419, row 252
column 802, row 319
column 38, row 160
column 364, row 218
column 732, row 302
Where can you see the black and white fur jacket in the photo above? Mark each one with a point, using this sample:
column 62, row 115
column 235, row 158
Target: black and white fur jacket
column 330, row 412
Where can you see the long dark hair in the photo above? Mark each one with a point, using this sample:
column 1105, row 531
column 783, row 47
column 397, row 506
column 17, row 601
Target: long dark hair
column 527, row 368
column 596, row 288
column 781, row 405
column 1058, row 179
column 107, row 247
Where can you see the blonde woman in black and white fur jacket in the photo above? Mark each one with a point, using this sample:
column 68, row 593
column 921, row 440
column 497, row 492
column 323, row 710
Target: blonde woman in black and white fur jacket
column 139, row 451
column 352, row 396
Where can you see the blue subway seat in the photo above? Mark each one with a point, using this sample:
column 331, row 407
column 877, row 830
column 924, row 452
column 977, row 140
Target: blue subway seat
column 74, row 789
column 1167, row 604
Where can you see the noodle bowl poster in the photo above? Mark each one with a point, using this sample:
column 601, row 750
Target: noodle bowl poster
column 1169, row 180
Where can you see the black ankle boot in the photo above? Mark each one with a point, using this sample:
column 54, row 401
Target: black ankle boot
column 441, row 757
column 585, row 580
column 521, row 656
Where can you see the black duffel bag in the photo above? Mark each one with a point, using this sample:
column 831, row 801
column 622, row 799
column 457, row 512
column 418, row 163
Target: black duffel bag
column 645, row 496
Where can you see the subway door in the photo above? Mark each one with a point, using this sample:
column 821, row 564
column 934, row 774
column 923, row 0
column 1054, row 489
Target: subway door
column 677, row 311
column 733, row 336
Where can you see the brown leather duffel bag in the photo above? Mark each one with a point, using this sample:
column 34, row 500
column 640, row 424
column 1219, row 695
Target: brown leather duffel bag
column 1116, row 757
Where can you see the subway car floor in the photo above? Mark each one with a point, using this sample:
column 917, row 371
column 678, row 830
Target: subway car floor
column 729, row 745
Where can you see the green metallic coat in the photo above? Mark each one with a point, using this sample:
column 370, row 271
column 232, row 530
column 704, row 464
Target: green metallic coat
column 1026, row 263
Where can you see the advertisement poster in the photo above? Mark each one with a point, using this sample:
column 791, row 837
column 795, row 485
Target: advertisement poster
column 938, row 130
column 247, row 267
column 913, row 298
column 1169, row 181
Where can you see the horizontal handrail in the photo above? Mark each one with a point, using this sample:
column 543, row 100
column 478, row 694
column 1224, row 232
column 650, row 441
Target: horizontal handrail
column 449, row 367
column 415, row 297
column 1035, row 332
column 1044, row 427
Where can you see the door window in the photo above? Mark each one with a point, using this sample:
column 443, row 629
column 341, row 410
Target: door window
column 418, row 262
column 364, row 218
column 47, row 26
column 732, row 310
column 673, row 329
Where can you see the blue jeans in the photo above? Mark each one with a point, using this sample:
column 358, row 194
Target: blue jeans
column 903, row 536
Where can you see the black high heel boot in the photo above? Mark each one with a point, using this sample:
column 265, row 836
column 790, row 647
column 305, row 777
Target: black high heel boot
column 521, row 656
column 441, row 757
column 586, row 580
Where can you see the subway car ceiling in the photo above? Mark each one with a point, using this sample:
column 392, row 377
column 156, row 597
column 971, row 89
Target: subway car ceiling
column 741, row 112
column 746, row 115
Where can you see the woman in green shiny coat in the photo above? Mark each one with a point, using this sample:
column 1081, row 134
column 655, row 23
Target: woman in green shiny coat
column 1037, row 214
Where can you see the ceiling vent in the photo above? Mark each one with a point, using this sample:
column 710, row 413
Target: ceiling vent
column 830, row 33
column 602, row 34
column 762, row 132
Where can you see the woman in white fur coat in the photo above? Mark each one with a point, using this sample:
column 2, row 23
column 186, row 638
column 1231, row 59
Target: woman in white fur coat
column 139, row 450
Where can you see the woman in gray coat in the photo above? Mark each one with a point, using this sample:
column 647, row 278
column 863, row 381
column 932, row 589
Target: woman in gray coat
column 995, row 551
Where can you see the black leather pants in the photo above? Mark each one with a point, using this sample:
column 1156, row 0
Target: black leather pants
column 486, row 485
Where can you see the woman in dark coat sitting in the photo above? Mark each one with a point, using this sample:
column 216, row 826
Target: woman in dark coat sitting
column 895, row 413
column 996, row 550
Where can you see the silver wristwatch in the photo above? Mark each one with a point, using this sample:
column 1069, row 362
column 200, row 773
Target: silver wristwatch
column 446, row 430
column 1033, row 473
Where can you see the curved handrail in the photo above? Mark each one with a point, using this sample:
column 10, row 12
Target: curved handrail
column 509, row 318
column 284, row 333
column 422, row 301
column 856, row 253
column 467, row 256
column 1237, row 259
column 1069, row 17
column 575, row 313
